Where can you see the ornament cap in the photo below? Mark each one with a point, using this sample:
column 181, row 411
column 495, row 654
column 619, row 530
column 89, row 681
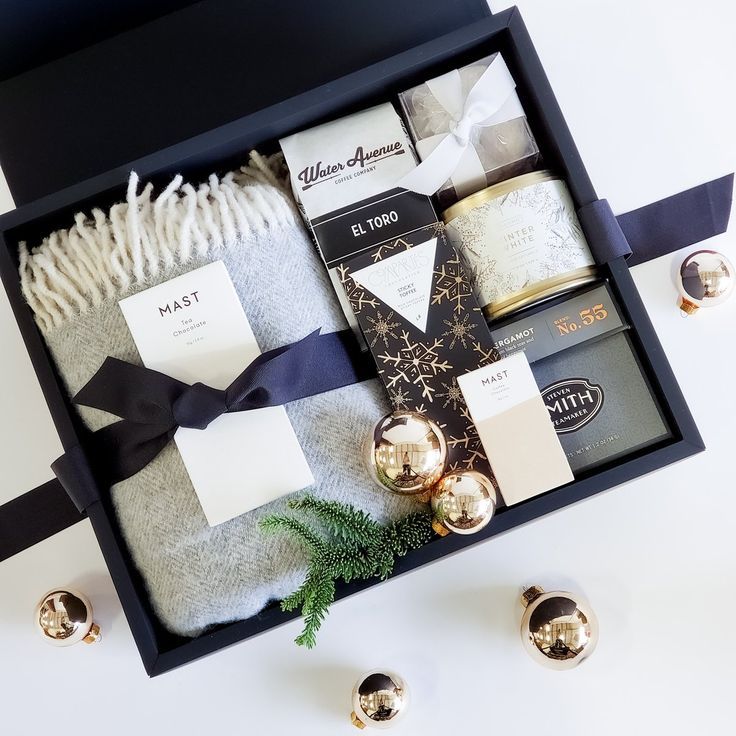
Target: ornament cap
column 439, row 528
column 530, row 594
column 688, row 307
column 356, row 721
column 94, row 636
column 424, row 497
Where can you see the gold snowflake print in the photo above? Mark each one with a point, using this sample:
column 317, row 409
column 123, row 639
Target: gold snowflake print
column 437, row 229
column 452, row 284
column 399, row 399
column 356, row 294
column 383, row 327
column 378, row 254
column 452, row 395
column 486, row 356
column 460, row 329
column 469, row 442
column 414, row 363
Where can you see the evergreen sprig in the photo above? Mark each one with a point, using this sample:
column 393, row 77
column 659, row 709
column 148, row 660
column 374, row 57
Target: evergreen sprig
column 352, row 546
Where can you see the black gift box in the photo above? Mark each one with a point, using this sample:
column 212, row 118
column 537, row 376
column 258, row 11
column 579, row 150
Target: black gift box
column 192, row 91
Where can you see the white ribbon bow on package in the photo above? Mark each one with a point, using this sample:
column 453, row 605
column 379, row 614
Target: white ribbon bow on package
column 491, row 101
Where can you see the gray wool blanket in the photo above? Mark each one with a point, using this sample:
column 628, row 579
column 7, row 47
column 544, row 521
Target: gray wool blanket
column 199, row 576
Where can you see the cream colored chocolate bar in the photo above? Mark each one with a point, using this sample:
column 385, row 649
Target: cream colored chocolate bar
column 514, row 426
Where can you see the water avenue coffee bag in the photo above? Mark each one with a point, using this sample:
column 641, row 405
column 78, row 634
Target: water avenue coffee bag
column 352, row 165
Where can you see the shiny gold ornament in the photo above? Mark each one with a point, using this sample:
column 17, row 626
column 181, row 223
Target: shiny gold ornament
column 463, row 502
column 559, row 630
column 380, row 699
column 64, row 617
column 706, row 279
column 406, row 453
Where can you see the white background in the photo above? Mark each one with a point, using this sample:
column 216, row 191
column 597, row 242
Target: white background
column 648, row 89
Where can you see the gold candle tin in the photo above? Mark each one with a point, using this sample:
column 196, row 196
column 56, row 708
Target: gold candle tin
column 522, row 242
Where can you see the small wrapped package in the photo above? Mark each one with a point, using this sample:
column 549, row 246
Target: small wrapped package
column 469, row 129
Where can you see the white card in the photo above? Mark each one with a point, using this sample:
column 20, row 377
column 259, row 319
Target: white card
column 193, row 328
column 499, row 387
column 403, row 281
column 515, row 429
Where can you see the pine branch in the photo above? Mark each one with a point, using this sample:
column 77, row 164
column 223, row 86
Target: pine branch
column 297, row 528
column 356, row 548
column 411, row 532
column 345, row 522
column 384, row 558
column 350, row 561
column 321, row 595
column 296, row 599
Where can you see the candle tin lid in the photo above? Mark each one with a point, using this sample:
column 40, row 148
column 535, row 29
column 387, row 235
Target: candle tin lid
column 497, row 190
column 521, row 242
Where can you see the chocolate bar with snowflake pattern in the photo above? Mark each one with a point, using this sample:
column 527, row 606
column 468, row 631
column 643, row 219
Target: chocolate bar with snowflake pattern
column 424, row 327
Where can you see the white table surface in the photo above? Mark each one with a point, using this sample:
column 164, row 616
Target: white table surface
column 648, row 90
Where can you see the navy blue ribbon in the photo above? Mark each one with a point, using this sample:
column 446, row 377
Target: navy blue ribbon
column 152, row 405
column 661, row 227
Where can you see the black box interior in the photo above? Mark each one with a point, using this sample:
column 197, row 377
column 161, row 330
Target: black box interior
column 293, row 100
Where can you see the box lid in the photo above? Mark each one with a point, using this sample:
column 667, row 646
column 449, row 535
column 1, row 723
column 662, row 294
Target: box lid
column 86, row 86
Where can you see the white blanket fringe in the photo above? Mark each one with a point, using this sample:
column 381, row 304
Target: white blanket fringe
column 102, row 256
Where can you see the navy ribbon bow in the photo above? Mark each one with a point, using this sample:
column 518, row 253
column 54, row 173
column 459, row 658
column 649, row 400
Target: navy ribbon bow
column 152, row 405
